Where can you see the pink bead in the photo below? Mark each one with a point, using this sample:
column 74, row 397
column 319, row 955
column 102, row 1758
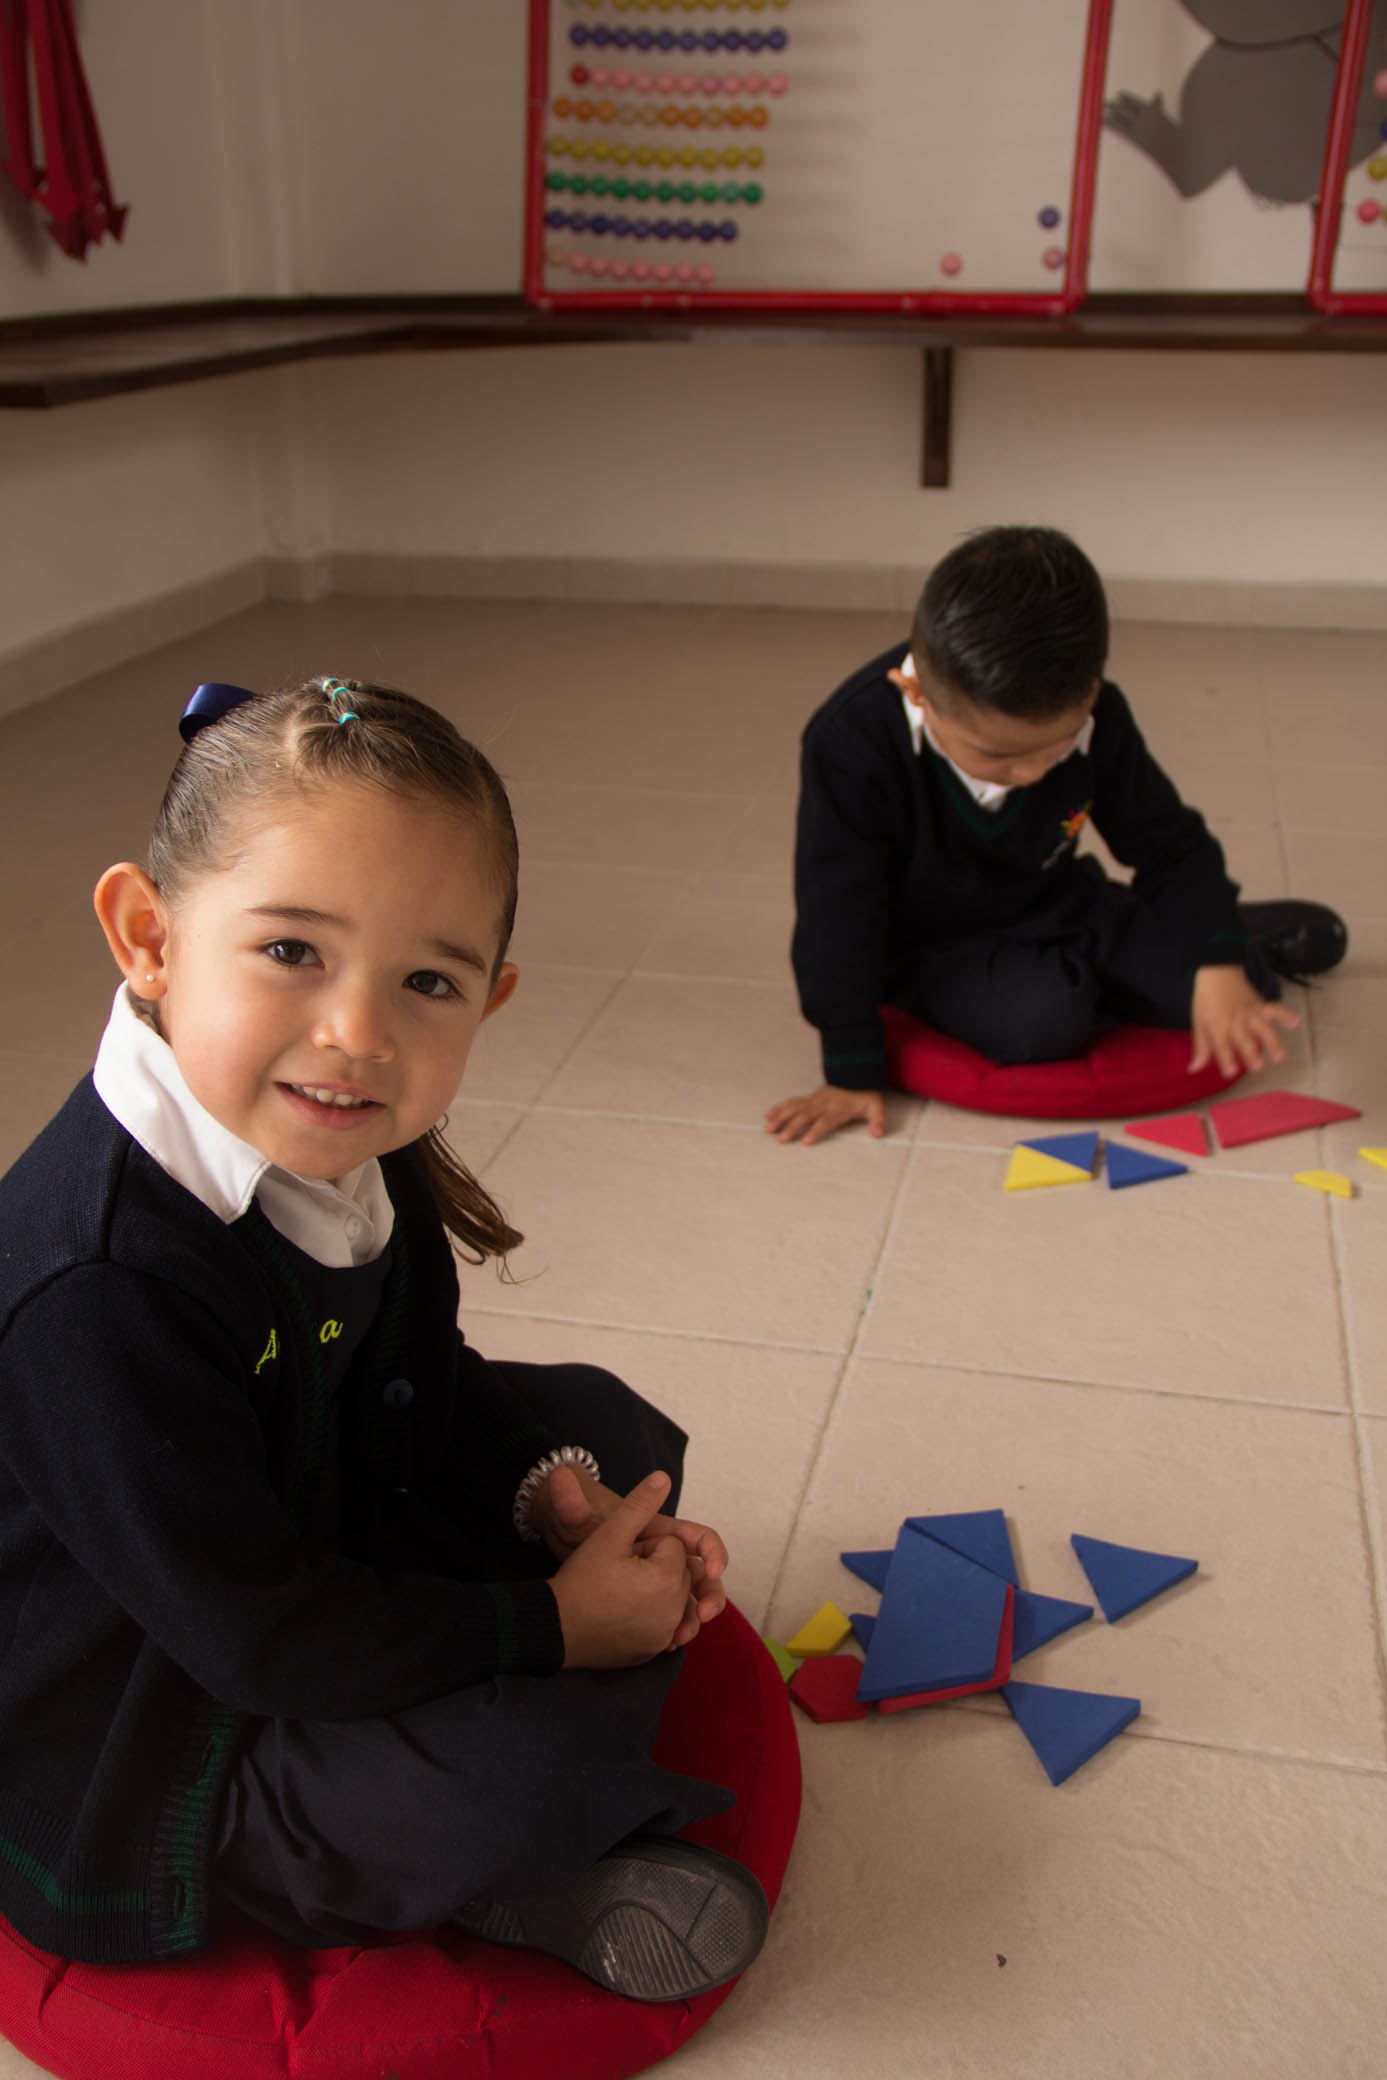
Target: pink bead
column 620, row 270
column 733, row 85
column 687, row 83
column 599, row 265
column 1369, row 211
column 683, row 272
column 705, row 276
column 710, row 83
column 578, row 262
column 1380, row 86
column 662, row 271
column 621, row 81
column 664, row 82
column 777, row 83
column 599, row 76
column 951, row 263
column 1053, row 256
column 640, row 270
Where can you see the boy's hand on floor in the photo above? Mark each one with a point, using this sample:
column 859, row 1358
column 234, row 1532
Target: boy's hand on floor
column 1233, row 1025
column 624, row 1592
column 571, row 1505
column 823, row 1111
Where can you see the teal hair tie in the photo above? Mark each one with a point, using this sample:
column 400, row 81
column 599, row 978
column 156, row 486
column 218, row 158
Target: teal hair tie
column 350, row 716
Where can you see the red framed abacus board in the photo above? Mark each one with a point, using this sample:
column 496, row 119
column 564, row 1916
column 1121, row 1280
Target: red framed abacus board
column 812, row 154
column 1360, row 102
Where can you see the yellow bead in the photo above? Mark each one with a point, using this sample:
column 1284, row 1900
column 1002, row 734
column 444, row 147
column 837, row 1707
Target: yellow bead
column 622, row 154
column 579, row 148
column 602, row 150
column 708, row 160
column 1377, row 169
column 645, row 155
column 755, row 156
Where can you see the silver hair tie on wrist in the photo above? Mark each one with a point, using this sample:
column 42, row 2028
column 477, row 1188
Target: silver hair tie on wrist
column 566, row 1455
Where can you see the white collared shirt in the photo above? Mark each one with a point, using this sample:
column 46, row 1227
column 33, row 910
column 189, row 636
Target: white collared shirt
column 989, row 794
column 142, row 1086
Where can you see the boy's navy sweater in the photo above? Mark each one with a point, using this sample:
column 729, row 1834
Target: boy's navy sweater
column 170, row 1567
column 893, row 855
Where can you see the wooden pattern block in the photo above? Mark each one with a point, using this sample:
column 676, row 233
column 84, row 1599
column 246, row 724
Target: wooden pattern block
column 1067, row 1728
column 939, row 1622
column 1236, row 1121
column 1125, row 1577
column 1001, row 1670
column 1127, row 1166
column 870, row 1568
column 1183, row 1130
column 1039, row 1619
column 782, row 1657
column 826, row 1688
column 824, row 1633
column 1326, row 1181
column 1375, row 1155
column 979, row 1534
column 1029, row 1169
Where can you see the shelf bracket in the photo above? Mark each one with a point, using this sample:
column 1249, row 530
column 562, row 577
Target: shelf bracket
column 937, row 441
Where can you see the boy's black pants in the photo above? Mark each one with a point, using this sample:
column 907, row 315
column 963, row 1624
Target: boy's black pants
column 336, row 1830
column 1044, row 990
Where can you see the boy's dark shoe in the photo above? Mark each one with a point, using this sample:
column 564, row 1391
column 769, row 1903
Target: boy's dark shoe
column 1296, row 939
column 657, row 1919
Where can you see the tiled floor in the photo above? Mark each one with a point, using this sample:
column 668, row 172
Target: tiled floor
column 865, row 1330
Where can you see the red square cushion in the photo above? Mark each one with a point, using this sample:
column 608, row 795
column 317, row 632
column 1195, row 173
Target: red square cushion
column 1130, row 1071
column 431, row 2007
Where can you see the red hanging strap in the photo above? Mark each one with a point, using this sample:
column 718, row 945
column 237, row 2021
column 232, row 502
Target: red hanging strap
column 18, row 161
column 72, row 185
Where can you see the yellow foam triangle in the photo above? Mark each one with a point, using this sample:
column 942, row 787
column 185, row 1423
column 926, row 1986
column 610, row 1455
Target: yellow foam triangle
column 823, row 1634
column 1326, row 1181
column 1375, row 1155
column 1028, row 1168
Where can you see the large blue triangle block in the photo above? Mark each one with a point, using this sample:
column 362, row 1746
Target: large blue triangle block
column 870, row 1568
column 1067, row 1727
column 939, row 1622
column 979, row 1534
column 1039, row 1619
column 1133, row 1166
column 1079, row 1149
column 863, row 1627
column 1124, row 1576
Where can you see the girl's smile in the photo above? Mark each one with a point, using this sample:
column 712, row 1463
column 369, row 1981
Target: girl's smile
column 321, row 991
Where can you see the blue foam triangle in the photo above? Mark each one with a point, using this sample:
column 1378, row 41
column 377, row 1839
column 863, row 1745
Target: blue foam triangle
column 1039, row 1619
column 1067, row 1727
column 1125, row 1576
column 1133, row 1166
column 863, row 1627
column 1079, row 1149
column 939, row 1622
column 979, row 1534
column 870, row 1568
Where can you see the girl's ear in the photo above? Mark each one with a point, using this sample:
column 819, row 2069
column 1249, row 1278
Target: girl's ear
column 503, row 988
column 132, row 915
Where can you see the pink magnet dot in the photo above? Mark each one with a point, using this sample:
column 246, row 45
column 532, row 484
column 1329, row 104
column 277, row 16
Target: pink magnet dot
column 687, row 83
column 599, row 76
column 640, row 270
column 621, row 81
column 662, row 271
column 733, row 85
column 1369, row 211
column 1053, row 256
column 599, row 265
column 620, row 270
column 664, row 82
column 683, row 272
column 710, row 83
column 705, row 276
column 1380, row 86
column 951, row 263
column 578, row 262
column 777, row 83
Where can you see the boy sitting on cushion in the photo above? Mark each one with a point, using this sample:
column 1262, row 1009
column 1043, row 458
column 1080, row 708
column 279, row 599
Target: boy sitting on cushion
column 944, row 789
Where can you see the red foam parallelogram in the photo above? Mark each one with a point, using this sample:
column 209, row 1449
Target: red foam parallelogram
column 1001, row 1671
column 1239, row 1120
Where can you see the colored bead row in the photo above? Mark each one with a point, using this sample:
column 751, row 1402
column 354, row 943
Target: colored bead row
column 677, row 83
column 603, row 226
column 655, row 155
column 679, row 40
column 652, row 191
column 671, row 115
column 689, row 6
column 662, row 272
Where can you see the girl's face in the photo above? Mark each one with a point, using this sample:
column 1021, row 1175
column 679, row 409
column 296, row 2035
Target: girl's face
column 321, row 992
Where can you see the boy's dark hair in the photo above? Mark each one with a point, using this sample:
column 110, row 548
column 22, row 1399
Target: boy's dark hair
column 301, row 737
column 1014, row 618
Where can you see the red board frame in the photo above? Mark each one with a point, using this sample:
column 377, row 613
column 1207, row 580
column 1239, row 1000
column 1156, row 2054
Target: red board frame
column 1339, row 143
column 1067, row 298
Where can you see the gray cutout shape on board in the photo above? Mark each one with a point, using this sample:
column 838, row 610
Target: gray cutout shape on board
column 1256, row 100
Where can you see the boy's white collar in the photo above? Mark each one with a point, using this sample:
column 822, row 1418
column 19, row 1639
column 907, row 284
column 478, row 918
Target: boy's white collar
column 141, row 1085
column 989, row 794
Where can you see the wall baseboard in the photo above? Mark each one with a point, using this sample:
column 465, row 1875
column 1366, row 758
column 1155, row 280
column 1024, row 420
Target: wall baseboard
column 34, row 670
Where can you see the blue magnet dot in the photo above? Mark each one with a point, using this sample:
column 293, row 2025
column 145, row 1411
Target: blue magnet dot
column 620, row 227
column 727, row 229
column 578, row 33
column 663, row 228
column 777, row 39
column 1049, row 217
column 640, row 227
column 752, row 41
column 684, row 229
column 644, row 39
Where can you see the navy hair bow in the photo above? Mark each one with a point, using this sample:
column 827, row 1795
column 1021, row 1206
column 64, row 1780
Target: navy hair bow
column 208, row 704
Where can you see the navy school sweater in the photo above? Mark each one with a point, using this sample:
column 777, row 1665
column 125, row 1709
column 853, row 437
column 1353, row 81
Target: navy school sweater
column 893, row 855
column 177, row 1557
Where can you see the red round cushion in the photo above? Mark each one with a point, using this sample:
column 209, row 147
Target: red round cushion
column 433, row 2007
column 1132, row 1070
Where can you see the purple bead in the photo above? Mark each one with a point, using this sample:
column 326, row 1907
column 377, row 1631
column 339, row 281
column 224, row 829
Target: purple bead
column 711, row 40
column 578, row 221
column 644, row 39
column 620, row 227
column 600, row 35
column 684, row 229
column 707, row 232
column 665, row 40
column 598, row 225
column 640, row 227
column 727, row 229
column 578, row 33
column 1049, row 217
column 556, row 219
column 777, row 39
column 663, row 228
column 687, row 40
column 621, row 38
column 752, row 41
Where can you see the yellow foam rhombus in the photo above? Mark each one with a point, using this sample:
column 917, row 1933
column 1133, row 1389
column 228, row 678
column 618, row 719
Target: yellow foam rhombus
column 1028, row 1167
column 824, row 1633
column 1326, row 1181
column 1375, row 1155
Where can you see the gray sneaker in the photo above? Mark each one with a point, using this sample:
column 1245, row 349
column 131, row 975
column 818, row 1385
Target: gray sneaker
column 657, row 1919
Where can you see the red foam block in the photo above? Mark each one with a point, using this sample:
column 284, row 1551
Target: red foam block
column 1001, row 1671
column 826, row 1688
column 1240, row 1120
column 1182, row 1130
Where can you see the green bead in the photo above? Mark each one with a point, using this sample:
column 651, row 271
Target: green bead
column 557, row 181
column 731, row 193
column 600, row 184
column 709, row 191
column 642, row 190
column 578, row 184
column 621, row 188
column 665, row 191
column 687, row 192
column 752, row 192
